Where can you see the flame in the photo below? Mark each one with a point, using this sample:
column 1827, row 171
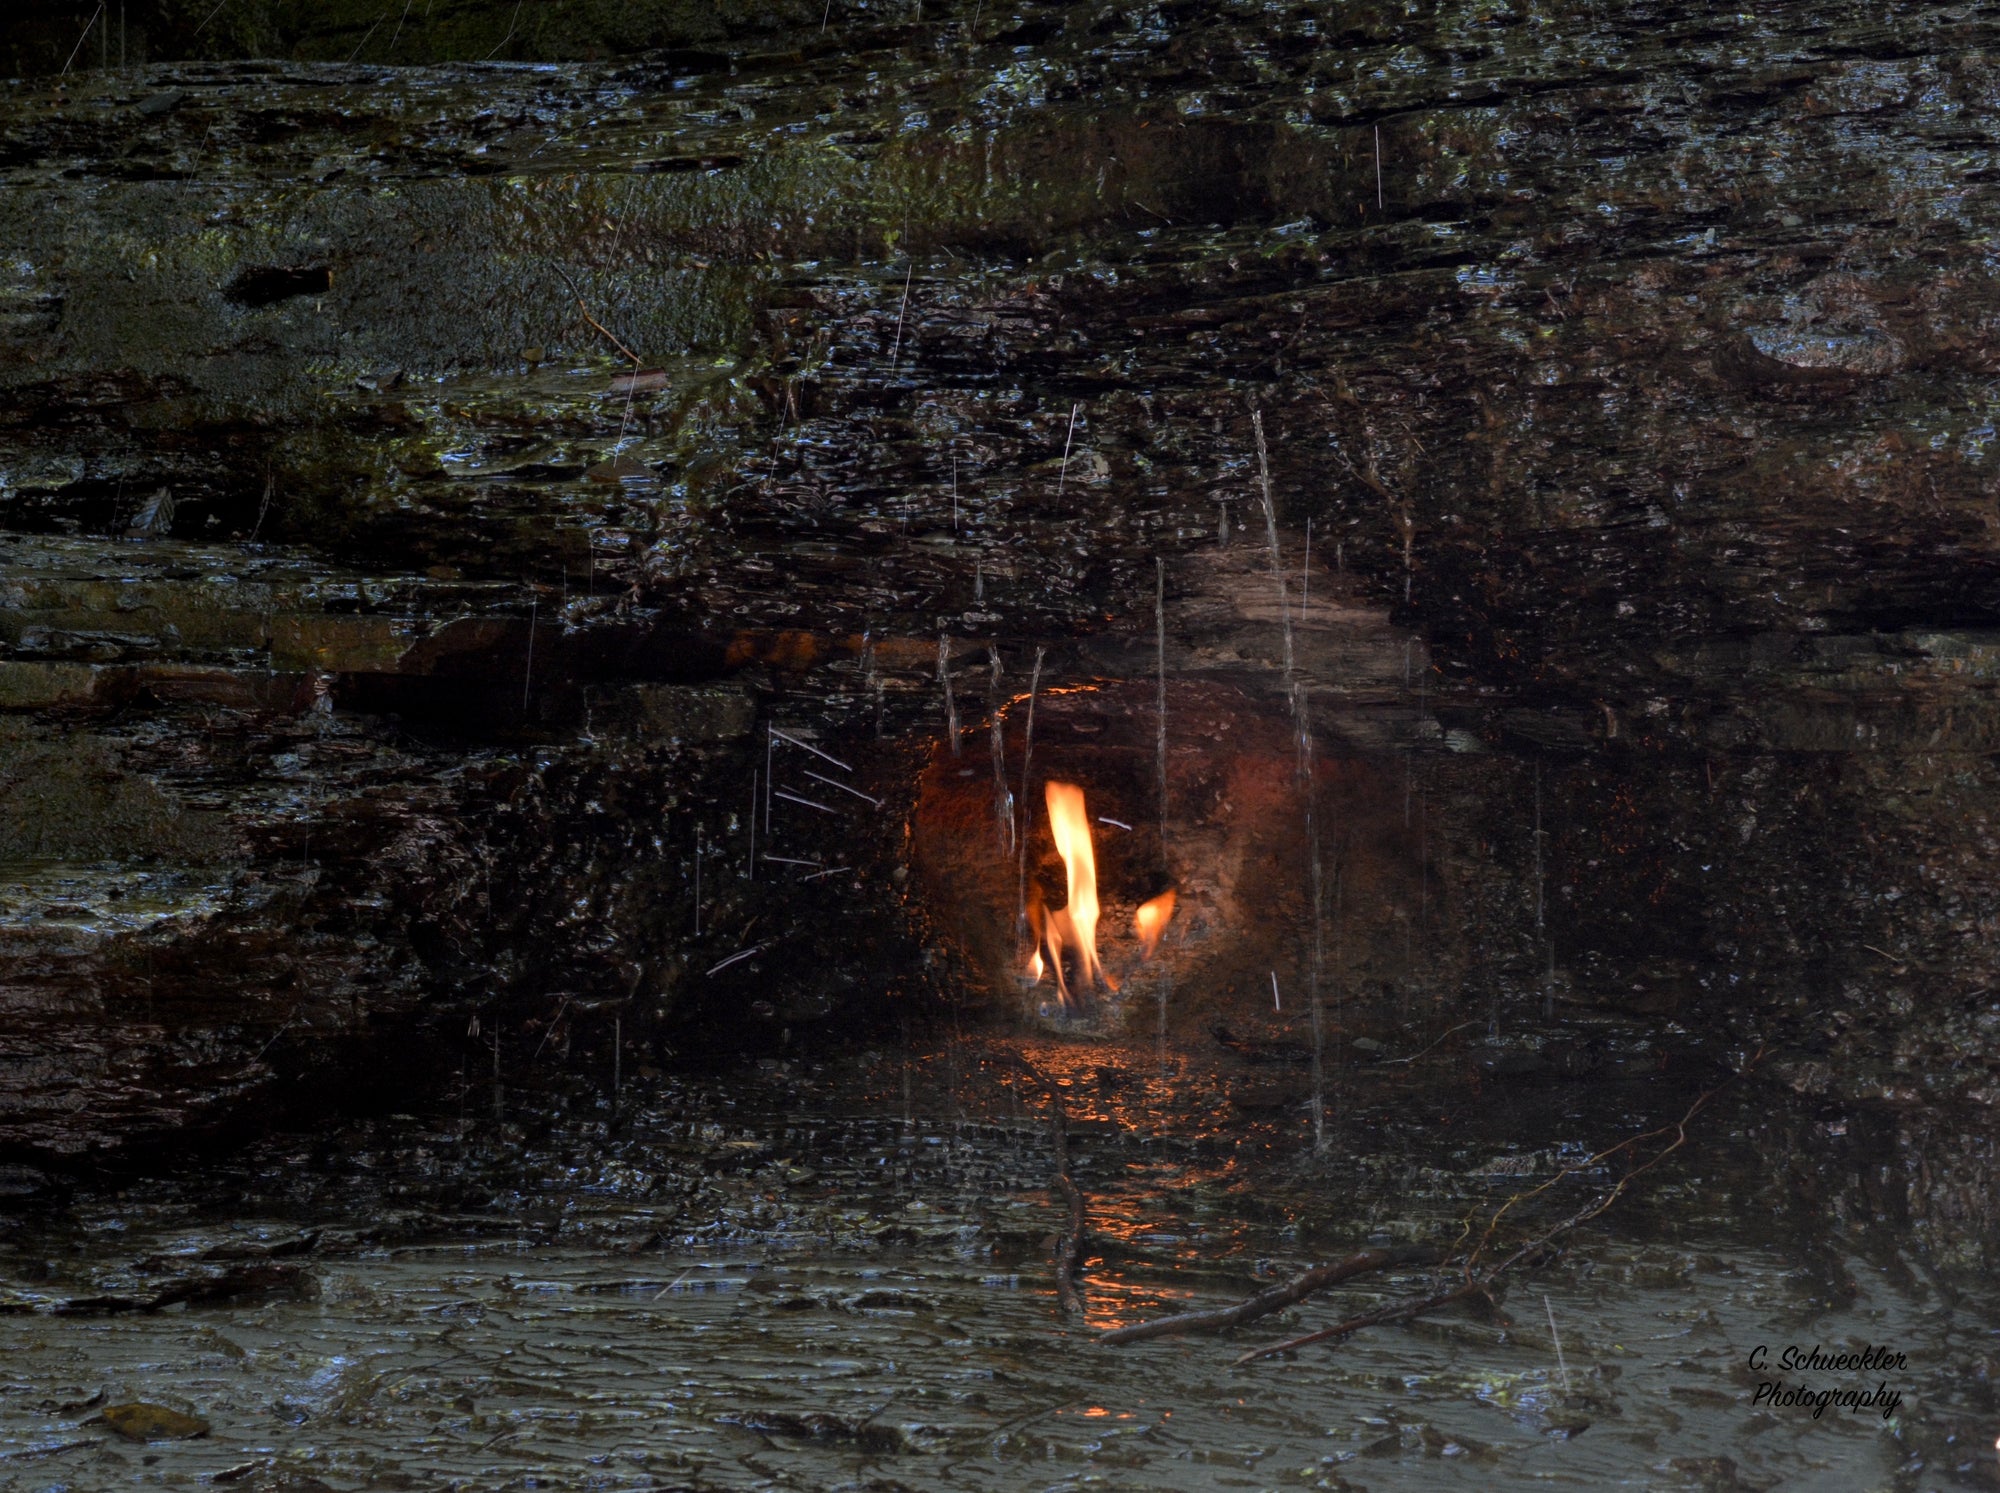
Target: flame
column 1050, row 930
column 1151, row 920
column 1070, row 824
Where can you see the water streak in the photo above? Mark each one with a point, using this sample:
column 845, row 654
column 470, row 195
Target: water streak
column 1271, row 533
column 950, row 704
column 1027, row 764
column 1160, row 632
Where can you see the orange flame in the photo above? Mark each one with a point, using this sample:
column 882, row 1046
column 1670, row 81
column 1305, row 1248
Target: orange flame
column 1151, row 920
column 1070, row 824
column 1050, row 930
column 1076, row 924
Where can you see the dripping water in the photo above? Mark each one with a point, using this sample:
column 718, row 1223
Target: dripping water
column 1003, row 798
column 1541, row 935
column 1160, row 633
column 950, row 704
column 1027, row 764
column 1308, row 789
column 1271, row 533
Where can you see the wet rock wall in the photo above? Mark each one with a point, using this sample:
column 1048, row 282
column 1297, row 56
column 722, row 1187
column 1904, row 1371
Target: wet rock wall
column 501, row 427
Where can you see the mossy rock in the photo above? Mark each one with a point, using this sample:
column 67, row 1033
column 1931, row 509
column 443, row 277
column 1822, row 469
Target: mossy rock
column 139, row 1421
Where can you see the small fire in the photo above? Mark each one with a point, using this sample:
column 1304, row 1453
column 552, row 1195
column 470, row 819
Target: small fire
column 1076, row 924
column 1151, row 920
column 1070, row 824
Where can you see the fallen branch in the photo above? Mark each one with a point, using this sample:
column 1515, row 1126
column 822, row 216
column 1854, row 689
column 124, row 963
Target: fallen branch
column 1069, row 1246
column 1482, row 1284
column 1679, row 1132
column 1367, row 1319
column 1276, row 1299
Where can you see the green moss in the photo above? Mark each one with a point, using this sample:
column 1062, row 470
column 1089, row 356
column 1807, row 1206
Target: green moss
column 427, row 31
column 68, row 797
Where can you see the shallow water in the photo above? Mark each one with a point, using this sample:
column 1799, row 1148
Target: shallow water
column 839, row 1278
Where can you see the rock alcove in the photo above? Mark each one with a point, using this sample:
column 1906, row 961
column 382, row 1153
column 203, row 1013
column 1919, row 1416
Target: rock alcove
column 529, row 538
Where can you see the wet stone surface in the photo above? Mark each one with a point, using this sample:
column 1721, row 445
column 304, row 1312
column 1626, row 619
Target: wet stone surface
column 421, row 471
column 837, row 1277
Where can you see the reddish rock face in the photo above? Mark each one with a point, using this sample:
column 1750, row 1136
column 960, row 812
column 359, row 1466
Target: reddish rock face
column 1235, row 846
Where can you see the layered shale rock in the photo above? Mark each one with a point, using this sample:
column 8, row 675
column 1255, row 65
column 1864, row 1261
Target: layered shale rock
column 423, row 487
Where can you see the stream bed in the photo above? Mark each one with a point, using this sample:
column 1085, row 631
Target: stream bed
column 837, row 1276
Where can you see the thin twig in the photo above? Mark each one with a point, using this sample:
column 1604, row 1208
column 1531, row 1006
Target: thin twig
column 608, row 335
column 1392, row 1062
column 1679, row 1132
column 1367, row 1319
column 583, row 310
column 1472, row 1286
column 1069, row 1246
